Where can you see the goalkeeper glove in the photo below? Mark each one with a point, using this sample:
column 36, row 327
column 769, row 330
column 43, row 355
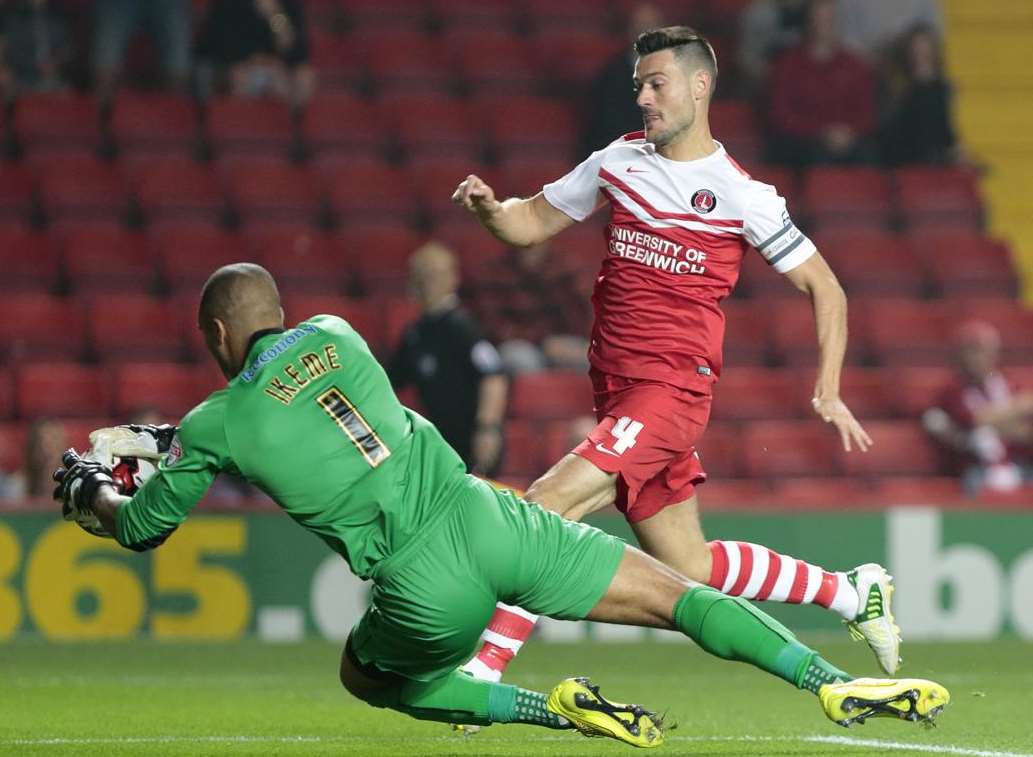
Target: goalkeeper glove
column 77, row 482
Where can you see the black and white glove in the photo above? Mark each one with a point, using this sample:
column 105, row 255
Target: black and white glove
column 108, row 445
column 162, row 434
column 77, row 482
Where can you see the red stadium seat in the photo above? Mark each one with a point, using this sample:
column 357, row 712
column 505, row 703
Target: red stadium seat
column 16, row 191
column 28, row 259
column 77, row 185
column 64, row 119
column 721, row 450
column 940, row 197
column 906, row 332
column 783, row 179
column 900, row 448
column 736, row 125
column 522, row 451
column 379, row 256
column 1013, row 320
column 342, row 122
column 40, row 327
column 143, row 122
column 78, row 430
column 523, row 177
column 104, row 256
column 62, row 390
column 435, row 179
column 495, row 61
column 379, row 15
column 795, row 337
column 189, row 252
column 556, row 394
column 873, row 263
column 170, row 388
column 821, row 493
column 868, row 392
column 399, row 313
column 241, row 124
column 7, row 395
column 474, row 248
column 574, row 57
column 531, row 124
column 966, row 263
column 852, row 197
column 301, row 259
column 475, row 15
column 408, row 61
column 737, row 494
column 134, row 327
column 570, row 16
column 371, row 190
column 915, row 390
column 12, row 445
column 177, row 188
column 790, row 448
column 423, row 121
column 272, row 189
column 918, row 490
column 336, row 58
column 760, row 394
column 747, row 333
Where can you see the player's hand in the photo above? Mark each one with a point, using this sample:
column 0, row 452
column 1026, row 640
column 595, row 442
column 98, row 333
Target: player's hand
column 476, row 196
column 836, row 412
column 77, row 482
column 487, row 449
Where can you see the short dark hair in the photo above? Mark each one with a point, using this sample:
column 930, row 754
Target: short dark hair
column 687, row 44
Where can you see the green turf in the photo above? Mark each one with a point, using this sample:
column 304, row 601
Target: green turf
column 253, row 699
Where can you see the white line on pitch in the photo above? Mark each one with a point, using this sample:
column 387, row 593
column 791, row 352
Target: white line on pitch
column 904, row 746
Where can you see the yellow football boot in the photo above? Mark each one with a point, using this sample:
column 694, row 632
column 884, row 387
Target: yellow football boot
column 579, row 701
column 907, row 698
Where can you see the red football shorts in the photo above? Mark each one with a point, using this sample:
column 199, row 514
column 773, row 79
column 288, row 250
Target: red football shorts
column 647, row 435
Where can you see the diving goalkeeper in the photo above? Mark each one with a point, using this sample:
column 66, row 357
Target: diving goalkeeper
column 309, row 417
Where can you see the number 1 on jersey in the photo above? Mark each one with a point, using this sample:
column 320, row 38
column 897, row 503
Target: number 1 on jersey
column 355, row 427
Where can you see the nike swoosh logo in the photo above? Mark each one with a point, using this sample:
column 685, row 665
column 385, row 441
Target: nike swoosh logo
column 635, row 170
column 601, row 448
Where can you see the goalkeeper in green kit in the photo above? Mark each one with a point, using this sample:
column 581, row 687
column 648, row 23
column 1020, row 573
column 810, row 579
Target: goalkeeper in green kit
column 309, row 417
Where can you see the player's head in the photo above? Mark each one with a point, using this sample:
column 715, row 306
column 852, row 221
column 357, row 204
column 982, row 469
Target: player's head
column 675, row 76
column 433, row 274
column 979, row 349
column 237, row 300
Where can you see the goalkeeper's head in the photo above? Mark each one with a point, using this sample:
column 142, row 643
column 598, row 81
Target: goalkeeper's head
column 237, row 301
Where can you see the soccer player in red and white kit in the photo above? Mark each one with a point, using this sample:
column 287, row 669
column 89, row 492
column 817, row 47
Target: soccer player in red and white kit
column 683, row 214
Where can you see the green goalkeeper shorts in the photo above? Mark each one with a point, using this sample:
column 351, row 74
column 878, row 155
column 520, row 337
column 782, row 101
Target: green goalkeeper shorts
column 428, row 612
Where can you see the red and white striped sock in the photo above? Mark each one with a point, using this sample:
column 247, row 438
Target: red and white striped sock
column 507, row 631
column 751, row 571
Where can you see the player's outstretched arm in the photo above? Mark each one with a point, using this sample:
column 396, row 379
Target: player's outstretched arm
column 520, row 222
column 816, row 279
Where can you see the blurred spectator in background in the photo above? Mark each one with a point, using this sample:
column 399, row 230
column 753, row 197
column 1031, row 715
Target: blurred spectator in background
column 982, row 419
column 822, row 106
column 872, row 27
column 918, row 128
column 35, row 46
column 611, row 110
column 116, row 22
column 259, row 48
column 44, row 445
column 766, row 29
column 536, row 318
column 457, row 372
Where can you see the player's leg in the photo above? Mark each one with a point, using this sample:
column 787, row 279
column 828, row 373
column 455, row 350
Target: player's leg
column 646, row 592
column 572, row 488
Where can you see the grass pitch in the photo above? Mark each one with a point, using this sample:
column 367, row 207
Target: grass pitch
column 148, row 698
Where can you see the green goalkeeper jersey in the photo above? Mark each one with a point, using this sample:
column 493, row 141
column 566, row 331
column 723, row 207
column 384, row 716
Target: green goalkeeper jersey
column 312, row 421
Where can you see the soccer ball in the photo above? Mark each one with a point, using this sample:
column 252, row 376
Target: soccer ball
column 130, row 473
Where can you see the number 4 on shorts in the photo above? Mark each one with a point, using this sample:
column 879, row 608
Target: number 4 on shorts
column 625, row 430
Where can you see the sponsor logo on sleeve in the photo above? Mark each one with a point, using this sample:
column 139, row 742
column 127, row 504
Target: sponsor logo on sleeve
column 175, row 451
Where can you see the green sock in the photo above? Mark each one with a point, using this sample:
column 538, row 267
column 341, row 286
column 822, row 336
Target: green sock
column 460, row 698
column 733, row 629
